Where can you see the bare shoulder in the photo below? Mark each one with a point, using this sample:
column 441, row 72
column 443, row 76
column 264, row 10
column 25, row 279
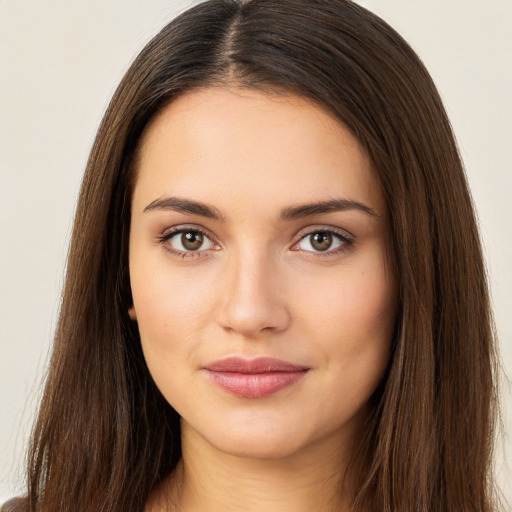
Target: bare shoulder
column 15, row 505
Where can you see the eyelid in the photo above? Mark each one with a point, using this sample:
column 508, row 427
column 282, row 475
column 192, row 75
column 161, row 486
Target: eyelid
column 316, row 228
column 169, row 233
column 346, row 237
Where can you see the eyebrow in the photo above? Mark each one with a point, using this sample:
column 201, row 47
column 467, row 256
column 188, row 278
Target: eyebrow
column 291, row 213
column 334, row 205
column 184, row 206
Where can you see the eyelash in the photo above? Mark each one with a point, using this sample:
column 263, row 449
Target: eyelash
column 165, row 237
column 345, row 239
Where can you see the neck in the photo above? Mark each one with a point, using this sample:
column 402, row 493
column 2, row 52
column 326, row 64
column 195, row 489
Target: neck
column 209, row 479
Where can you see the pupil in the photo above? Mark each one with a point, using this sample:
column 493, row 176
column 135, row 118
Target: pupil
column 192, row 240
column 322, row 241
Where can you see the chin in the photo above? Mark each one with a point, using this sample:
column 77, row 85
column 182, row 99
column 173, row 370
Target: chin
column 260, row 438
column 260, row 447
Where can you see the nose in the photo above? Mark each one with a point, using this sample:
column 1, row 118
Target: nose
column 252, row 301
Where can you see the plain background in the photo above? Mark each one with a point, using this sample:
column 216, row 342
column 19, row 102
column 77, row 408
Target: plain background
column 60, row 62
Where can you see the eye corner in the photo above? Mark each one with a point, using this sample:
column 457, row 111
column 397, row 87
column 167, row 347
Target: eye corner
column 338, row 241
column 173, row 240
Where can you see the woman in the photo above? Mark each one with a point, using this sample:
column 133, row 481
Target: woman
column 275, row 295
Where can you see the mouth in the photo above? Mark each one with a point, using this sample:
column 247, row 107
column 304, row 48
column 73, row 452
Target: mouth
column 254, row 378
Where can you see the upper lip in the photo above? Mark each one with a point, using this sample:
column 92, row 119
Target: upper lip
column 252, row 366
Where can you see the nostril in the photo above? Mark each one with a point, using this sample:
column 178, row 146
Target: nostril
column 251, row 318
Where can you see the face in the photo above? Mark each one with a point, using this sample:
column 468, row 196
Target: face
column 258, row 270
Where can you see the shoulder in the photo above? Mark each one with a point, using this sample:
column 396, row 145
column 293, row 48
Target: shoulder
column 15, row 505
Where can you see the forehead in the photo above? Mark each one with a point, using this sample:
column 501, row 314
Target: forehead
column 265, row 149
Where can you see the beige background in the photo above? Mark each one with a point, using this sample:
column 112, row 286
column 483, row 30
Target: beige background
column 61, row 60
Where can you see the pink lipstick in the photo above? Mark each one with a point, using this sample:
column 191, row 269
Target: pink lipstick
column 254, row 378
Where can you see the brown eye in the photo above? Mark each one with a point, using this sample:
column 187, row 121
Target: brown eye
column 192, row 240
column 321, row 241
column 187, row 241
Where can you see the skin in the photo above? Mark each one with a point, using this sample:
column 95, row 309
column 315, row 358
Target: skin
column 258, row 286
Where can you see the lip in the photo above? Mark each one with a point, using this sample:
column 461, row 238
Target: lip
column 254, row 378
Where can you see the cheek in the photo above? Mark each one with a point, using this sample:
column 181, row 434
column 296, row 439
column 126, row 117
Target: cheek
column 169, row 314
column 171, row 309
column 358, row 302
column 358, row 346
column 351, row 322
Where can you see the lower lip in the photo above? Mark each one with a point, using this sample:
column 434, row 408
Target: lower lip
column 255, row 385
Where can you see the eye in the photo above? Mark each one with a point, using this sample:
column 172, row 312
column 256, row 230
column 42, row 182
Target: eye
column 186, row 240
column 322, row 241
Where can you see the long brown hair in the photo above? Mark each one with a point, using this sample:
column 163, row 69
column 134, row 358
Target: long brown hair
column 105, row 436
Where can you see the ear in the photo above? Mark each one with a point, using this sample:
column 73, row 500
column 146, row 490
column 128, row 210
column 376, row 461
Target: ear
column 132, row 313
